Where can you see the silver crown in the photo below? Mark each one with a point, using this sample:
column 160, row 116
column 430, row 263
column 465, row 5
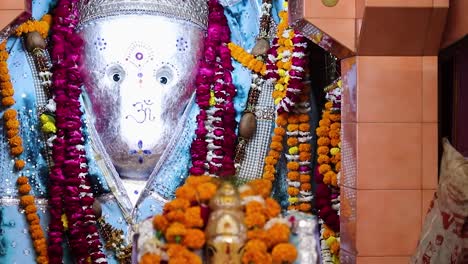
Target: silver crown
column 195, row 11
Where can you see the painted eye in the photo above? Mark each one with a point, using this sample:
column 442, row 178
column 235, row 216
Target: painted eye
column 116, row 73
column 163, row 80
column 165, row 75
column 116, row 77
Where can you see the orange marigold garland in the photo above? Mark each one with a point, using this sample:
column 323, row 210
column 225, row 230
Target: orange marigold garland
column 12, row 126
column 268, row 233
column 327, row 174
column 247, row 59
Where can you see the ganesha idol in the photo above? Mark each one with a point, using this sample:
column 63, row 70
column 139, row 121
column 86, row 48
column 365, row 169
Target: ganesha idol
column 137, row 114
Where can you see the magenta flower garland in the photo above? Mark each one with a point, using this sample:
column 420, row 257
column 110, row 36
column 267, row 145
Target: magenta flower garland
column 212, row 151
column 70, row 189
column 295, row 74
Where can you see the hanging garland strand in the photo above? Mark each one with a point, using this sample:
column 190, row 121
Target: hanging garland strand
column 69, row 175
column 12, row 125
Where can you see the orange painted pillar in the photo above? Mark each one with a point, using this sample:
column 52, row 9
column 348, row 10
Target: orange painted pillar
column 389, row 117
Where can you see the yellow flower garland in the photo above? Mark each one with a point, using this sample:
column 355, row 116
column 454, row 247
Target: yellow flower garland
column 247, row 59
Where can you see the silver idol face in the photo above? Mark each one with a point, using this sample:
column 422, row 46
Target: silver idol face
column 140, row 73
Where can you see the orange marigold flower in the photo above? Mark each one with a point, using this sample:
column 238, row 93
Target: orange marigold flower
column 272, row 208
column 259, row 234
column 280, row 131
column 187, row 193
column 274, row 154
column 304, row 178
column 303, row 118
column 255, row 220
column 322, row 131
column 8, row 101
column 193, row 217
column 256, row 245
column 270, row 160
column 194, row 239
column 24, row 189
column 175, row 216
column 197, row 180
column 160, row 223
column 253, row 207
column 176, row 204
column 327, row 232
column 293, row 127
column 26, row 200
column 30, row 209
column 292, row 141
column 276, row 146
column 282, row 119
column 293, row 175
column 304, row 147
column 150, row 258
column 7, row 89
column 293, row 119
column 334, row 142
column 37, row 233
column 325, row 122
column 175, row 232
column 293, row 207
column 335, row 117
column 278, row 233
column 335, row 126
column 328, row 105
column 327, row 177
column 42, row 259
column 206, row 191
column 323, row 159
column 334, row 134
column 323, row 150
column 338, row 166
column 12, row 132
column 256, row 257
column 292, row 165
column 32, row 217
column 268, row 176
column 292, row 191
column 19, row 164
column 304, row 127
column 12, row 124
column 306, row 187
column 261, row 187
column 22, row 180
column 277, row 138
column 324, row 168
column 246, row 193
column 305, row 207
column 284, row 253
column 323, row 141
column 15, row 141
column 9, row 114
column 305, row 156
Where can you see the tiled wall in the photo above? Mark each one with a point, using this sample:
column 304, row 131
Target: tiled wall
column 390, row 155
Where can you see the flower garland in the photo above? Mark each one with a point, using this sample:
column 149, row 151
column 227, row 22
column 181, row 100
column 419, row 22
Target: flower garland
column 246, row 59
column 12, row 124
column 268, row 233
column 42, row 27
column 285, row 64
column 69, row 183
column 298, row 157
column 327, row 174
column 181, row 224
column 211, row 150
